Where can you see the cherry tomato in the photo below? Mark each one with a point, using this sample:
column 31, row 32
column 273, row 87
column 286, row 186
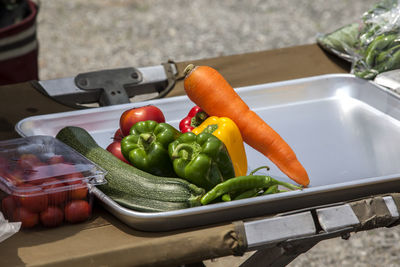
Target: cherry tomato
column 77, row 211
column 115, row 149
column 118, row 135
column 134, row 115
column 15, row 177
column 55, row 192
column 55, row 159
column 38, row 174
column 34, row 199
column 27, row 161
column 52, row 216
column 59, row 170
column 27, row 218
column 77, row 186
column 8, row 205
column 79, row 190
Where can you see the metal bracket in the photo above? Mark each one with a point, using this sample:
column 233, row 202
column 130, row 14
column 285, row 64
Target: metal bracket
column 111, row 82
column 110, row 87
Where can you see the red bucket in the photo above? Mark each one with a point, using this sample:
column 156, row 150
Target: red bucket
column 19, row 50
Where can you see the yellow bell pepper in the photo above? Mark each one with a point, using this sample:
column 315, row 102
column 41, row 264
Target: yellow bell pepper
column 227, row 131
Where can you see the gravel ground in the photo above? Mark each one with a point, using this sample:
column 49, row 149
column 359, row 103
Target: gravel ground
column 78, row 35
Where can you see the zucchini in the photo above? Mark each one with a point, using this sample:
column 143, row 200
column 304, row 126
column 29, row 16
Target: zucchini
column 129, row 186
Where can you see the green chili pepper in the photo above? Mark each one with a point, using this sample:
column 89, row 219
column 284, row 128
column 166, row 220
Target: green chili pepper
column 271, row 190
column 201, row 159
column 248, row 193
column 226, row 197
column 146, row 147
column 243, row 183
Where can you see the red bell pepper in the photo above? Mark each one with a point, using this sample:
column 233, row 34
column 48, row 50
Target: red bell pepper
column 194, row 118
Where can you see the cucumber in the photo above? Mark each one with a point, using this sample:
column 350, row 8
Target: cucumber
column 129, row 186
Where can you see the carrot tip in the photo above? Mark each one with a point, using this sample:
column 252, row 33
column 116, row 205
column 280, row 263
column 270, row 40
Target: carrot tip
column 188, row 69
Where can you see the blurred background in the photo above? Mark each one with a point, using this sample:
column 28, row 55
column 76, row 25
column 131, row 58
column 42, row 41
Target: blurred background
column 79, row 36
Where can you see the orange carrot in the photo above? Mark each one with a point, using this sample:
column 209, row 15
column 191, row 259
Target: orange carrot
column 208, row 89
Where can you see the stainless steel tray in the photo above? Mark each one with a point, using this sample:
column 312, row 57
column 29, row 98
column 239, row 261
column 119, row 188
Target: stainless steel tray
column 344, row 130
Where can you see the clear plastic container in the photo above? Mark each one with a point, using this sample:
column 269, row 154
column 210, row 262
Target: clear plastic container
column 44, row 182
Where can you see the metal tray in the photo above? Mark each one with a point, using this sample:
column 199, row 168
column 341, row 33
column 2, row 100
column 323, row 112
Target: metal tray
column 344, row 130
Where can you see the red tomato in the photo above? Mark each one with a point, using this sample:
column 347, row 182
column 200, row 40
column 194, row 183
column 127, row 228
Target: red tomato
column 134, row 115
column 79, row 190
column 77, row 211
column 15, row 177
column 55, row 159
column 27, row 161
column 78, row 187
column 34, row 199
column 61, row 169
column 52, row 216
column 118, row 135
column 8, row 205
column 38, row 174
column 115, row 149
column 26, row 217
column 55, row 192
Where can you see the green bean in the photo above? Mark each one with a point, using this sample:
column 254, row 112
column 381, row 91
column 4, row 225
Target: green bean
column 389, row 60
column 385, row 55
column 394, row 61
column 380, row 43
column 243, row 183
column 366, row 74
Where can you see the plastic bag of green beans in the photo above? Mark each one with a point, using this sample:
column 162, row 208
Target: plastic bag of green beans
column 371, row 45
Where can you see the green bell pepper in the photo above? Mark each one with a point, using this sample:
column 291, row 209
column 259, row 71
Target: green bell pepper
column 146, row 147
column 201, row 159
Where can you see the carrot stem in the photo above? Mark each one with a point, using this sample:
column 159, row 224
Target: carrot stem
column 188, row 69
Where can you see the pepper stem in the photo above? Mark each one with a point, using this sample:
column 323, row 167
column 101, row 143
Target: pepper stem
column 188, row 149
column 259, row 168
column 146, row 139
column 198, row 119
